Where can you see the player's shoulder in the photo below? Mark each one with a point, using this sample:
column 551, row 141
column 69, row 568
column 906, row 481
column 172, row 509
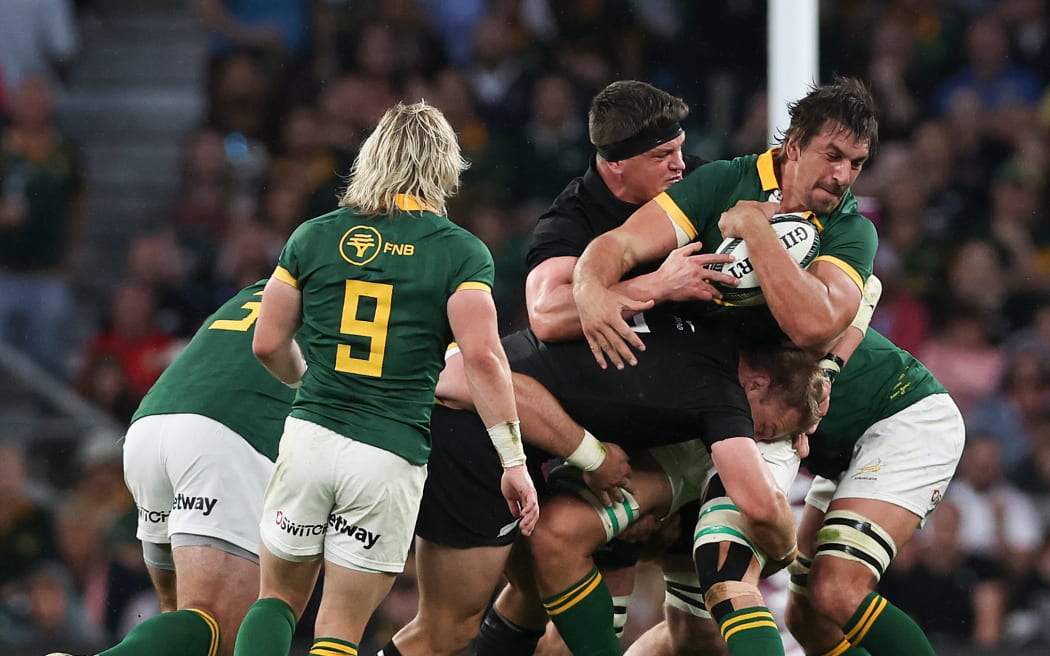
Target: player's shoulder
column 455, row 238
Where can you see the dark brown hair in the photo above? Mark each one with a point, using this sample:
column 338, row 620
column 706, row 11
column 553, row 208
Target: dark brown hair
column 847, row 102
column 627, row 107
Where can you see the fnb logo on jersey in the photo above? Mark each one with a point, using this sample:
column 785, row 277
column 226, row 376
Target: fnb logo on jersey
column 292, row 528
column 362, row 243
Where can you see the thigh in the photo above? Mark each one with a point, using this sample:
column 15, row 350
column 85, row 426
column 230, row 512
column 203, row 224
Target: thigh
column 218, row 582
column 349, row 598
column 456, row 585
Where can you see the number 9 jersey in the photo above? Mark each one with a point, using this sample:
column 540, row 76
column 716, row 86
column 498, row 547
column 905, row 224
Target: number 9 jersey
column 375, row 323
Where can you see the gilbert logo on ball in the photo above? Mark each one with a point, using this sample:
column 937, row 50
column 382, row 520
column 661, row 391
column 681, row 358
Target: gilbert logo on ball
column 799, row 238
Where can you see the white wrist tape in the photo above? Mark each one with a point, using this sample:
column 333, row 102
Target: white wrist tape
column 872, row 294
column 589, row 455
column 506, row 437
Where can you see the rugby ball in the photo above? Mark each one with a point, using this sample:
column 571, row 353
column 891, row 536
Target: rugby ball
column 798, row 236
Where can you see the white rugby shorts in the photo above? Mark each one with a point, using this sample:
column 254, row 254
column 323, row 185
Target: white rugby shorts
column 353, row 502
column 907, row 459
column 190, row 474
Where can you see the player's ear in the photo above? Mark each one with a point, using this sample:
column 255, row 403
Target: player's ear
column 758, row 383
column 792, row 149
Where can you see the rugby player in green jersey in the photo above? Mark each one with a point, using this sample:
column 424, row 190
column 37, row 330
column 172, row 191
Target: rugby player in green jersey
column 822, row 153
column 197, row 457
column 376, row 289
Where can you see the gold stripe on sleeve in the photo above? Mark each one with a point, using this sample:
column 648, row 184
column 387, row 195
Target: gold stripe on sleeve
column 676, row 214
column 472, row 284
column 845, row 266
column 284, row 275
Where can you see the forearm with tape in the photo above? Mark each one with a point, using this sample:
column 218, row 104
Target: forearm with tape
column 872, row 292
column 589, row 455
column 506, row 437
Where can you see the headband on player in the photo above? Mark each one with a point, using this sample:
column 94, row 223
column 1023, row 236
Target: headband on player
column 645, row 140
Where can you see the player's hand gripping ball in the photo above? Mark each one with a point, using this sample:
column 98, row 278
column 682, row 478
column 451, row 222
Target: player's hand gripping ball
column 796, row 234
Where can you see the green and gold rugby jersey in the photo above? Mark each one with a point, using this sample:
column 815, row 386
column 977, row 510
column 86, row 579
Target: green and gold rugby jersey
column 375, row 322
column 218, row 376
column 878, row 381
column 847, row 238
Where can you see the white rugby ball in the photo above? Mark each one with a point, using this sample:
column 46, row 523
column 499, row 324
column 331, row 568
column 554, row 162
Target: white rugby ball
column 798, row 236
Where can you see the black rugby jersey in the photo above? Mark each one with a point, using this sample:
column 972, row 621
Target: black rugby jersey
column 585, row 209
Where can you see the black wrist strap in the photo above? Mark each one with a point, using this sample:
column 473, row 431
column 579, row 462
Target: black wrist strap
column 831, row 365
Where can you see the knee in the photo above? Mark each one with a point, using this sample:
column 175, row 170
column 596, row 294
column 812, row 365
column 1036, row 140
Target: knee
column 837, row 597
column 558, row 536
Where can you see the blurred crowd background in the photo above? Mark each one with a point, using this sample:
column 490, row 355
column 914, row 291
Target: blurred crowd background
column 155, row 155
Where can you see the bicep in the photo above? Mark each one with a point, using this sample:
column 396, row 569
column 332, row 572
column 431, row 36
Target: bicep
column 280, row 314
column 472, row 317
column 648, row 234
column 843, row 285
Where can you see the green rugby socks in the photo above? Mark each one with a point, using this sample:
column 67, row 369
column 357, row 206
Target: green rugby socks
column 175, row 633
column 584, row 616
column 267, row 629
column 885, row 630
column 332, row 647
column 751, row 632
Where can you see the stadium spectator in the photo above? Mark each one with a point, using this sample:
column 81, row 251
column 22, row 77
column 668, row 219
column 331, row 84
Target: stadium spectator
column 499, row 77
column 1032, row 475
column 1010, row 413
column 998, row 82
column 52, row 610
column 27, row 534
column 1000, row 526
column 553, row 144
column 41, row 210
column 278, row 31
column 132, row 336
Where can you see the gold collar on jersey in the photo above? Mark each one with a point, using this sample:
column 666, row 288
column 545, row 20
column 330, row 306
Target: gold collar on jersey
column 768, row 177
